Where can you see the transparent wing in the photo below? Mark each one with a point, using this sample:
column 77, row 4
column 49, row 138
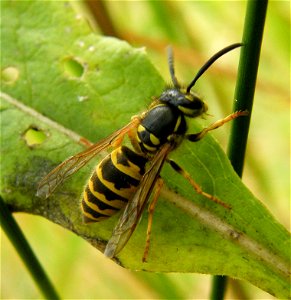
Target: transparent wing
column 133, row 211
column 70, row 166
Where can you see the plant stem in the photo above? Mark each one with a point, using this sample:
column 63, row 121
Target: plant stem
column 22, row 247
column 246, row 80
column 244, row 95
column 218, row 287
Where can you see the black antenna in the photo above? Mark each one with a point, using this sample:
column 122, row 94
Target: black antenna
column 209, row 63
column 171, row 67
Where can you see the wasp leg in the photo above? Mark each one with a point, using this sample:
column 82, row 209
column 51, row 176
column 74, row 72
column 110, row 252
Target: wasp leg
column 195, row 185
column 158, row 187
column 198, row 136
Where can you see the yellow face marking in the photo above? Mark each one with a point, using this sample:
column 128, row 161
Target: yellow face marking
column 186, row 111
column 188, row 97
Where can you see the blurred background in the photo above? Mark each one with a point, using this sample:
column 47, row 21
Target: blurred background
column 196, row 30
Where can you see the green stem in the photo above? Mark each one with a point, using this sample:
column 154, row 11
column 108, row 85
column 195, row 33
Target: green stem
column 22, row 247
column 246, row 80
column 244, row 95
column 218, row 287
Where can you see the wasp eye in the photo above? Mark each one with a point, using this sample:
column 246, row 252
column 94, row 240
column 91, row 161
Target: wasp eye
column 197, row 104
column 192, row 105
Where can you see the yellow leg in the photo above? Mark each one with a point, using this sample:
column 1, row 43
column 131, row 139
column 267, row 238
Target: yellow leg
column 126, row 130
column 198, row 136
column 158, row 187
column 195, row 185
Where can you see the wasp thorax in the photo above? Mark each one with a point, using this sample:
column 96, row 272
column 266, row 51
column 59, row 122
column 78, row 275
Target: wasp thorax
column 188, row 103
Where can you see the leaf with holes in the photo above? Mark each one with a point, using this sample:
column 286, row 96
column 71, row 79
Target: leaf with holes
column 69, row 83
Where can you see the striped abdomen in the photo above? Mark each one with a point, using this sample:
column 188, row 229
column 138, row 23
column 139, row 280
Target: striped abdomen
column 112, row 184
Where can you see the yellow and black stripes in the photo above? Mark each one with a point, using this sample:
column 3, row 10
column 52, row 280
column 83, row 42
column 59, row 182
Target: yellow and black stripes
column 160, row 123
column 112, row 184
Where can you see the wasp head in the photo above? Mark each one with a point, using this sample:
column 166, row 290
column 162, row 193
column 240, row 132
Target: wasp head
column 185, row 100
column 189, row 104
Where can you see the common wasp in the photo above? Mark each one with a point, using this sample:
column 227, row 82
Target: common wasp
column 126, row 177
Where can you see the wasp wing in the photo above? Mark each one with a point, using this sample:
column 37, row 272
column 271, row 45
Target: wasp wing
column 133, row 211
column 70, row 166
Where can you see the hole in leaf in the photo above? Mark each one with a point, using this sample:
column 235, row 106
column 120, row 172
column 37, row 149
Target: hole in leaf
column 82, row 98
column 34, row 136
column 73, row 68
column 10, row 75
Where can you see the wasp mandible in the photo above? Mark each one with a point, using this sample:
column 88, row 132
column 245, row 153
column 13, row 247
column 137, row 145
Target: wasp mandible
column 126, row 177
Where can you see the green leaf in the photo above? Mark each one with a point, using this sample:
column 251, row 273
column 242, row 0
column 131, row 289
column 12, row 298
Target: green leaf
column 70, row 84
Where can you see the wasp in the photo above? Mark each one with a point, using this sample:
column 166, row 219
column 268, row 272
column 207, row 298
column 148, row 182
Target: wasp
column 125, row 179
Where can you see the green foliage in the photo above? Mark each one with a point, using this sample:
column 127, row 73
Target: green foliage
column 72, row 83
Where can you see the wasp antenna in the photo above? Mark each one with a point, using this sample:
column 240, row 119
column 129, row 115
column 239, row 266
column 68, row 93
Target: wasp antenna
column 210, row 62
column 171, row 67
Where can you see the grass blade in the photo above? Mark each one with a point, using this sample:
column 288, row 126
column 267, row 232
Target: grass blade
column 14, row 233
column 244, row 95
